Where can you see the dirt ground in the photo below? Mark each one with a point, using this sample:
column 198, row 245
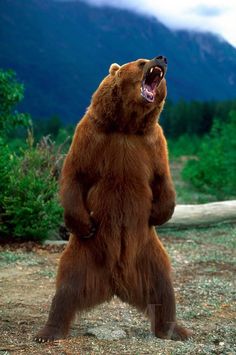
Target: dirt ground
column 204, row 273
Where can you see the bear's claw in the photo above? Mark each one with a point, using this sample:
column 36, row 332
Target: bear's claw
column 48, row 334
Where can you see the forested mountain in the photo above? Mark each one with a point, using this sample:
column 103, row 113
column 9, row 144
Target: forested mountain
column 61, row 51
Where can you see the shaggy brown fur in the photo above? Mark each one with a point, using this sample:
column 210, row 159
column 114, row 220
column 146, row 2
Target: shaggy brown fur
column 115, row 186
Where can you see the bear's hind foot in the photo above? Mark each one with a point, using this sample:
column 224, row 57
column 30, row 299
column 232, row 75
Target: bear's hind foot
column 49, row 334
column 175, row 332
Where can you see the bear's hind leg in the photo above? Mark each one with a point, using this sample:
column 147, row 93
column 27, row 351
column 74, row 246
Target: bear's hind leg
column 161, row 307
column 80, row 285
column 149, row 288
column 61, row 314
column 161, row 310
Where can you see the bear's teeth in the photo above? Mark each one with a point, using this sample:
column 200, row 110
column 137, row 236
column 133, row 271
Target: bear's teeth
column 151, row 70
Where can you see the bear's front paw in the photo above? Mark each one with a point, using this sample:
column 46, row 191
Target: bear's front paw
column 85, row 228
column 92, row 231
column 160, row 215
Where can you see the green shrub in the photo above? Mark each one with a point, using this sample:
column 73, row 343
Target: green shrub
column 214, row 169
column 29, row 207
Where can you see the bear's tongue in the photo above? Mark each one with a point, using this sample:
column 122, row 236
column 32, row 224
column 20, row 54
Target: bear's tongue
column 148, row 92
column 150, row 83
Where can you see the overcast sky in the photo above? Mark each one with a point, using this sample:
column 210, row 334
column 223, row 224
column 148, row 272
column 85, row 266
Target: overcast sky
column 217, row 16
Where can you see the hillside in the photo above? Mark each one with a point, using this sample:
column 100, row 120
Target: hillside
column 61, row 51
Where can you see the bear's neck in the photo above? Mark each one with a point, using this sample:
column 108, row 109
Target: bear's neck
column 117, row 118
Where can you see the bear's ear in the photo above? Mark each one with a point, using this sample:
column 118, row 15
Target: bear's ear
column 113, row 68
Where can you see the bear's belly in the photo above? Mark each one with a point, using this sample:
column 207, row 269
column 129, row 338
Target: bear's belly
column 120, row 202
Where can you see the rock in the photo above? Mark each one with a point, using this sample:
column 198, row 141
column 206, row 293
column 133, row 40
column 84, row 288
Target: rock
column 106, row 333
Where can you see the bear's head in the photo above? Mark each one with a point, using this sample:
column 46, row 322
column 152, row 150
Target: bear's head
column 131, row 96
column 141, row 79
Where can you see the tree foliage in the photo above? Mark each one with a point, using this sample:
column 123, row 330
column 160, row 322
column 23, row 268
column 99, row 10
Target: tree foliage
column 11, row 93
column 193, row 117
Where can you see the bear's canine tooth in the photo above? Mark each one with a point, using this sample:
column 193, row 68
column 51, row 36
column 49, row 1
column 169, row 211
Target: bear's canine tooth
column 151, row 70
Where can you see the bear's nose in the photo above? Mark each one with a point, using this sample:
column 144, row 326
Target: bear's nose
column 161, row 58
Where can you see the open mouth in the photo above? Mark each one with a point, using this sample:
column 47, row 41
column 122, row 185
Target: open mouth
column 151, row 82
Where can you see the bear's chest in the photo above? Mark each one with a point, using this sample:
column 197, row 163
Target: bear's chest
column 126, row 158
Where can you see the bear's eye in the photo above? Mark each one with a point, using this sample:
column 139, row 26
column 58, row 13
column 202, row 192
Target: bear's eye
column 142, row 63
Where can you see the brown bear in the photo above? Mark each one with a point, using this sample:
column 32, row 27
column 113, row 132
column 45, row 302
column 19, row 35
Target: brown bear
column 115, row 187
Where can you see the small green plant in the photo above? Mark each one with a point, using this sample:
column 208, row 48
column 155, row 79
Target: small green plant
column 214, row 169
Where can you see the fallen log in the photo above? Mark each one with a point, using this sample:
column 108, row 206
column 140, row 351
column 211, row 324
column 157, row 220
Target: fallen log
column 189, row 216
